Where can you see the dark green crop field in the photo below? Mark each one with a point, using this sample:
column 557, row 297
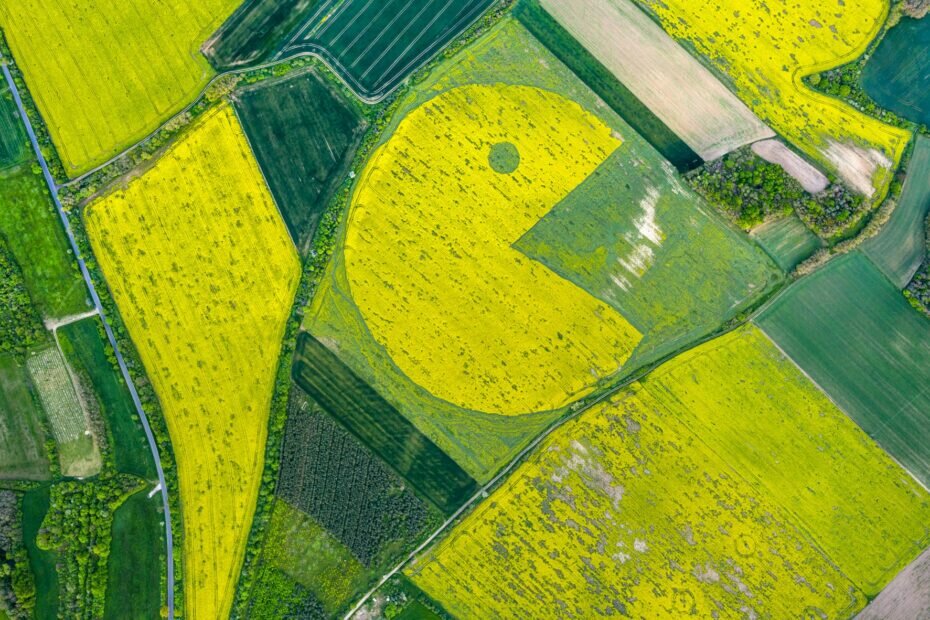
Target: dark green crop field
column 853, row 332
column 87, row 353
column 896, row 75
column 327, row 473
column 380, row 426
column 787, row 240
column 35, row 505
column 13, row 142
column 135, row 563
column 256, row 31
column 375, row 45
column 304, row 134
column 900, row 248
column 22, row 449
column 599, row 79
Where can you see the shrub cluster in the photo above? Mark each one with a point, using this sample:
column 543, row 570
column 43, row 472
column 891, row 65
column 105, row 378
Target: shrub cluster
column 17, row 586
column 749, row 189
column 20, row 325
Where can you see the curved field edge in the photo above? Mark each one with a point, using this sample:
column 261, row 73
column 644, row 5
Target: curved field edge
column 202, row 219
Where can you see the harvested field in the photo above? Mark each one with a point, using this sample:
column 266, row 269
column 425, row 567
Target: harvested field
column 768, row 513
column 376, row 45
column 767, row 47
column 378, row 425
column 100, row 94
column 204, row 273
column 775, row 152
column 37, row 240
column 905, row 598
column 77, row 447
column 605, row 84
column 662, row 74
column 257, row 30
column 896, row 74
column 304, row 133
column 853, row 332
column 22, row 439
column 787, row 240
column 901, row 246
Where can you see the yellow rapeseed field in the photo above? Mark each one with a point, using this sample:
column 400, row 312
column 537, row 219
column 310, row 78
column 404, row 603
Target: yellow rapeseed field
column 724, row 482
column 105, row 73
column 429, row 254
column 204, row 273
column 767, row 46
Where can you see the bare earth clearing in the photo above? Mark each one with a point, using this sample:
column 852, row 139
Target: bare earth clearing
column 662, row 74
column 775, row 152
column 905, row 598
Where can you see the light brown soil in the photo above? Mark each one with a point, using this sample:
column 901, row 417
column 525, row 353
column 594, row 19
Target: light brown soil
column 774, row 151
column 905, row 598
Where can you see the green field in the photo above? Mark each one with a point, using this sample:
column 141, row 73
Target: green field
column 415, row 610
column 346, row 397
column 86, row 351
column 330, row 475
column 22, row 440
column 787, row 240
column 901, row 246
column 304, row 133
column 257, row 30
column 599, row 79
column 37, row 240
column 136, row 560
column 375, row 45
column 77, row 448
column 853, row 332
column 14, row 145
column 896, row 75
column 35, row 506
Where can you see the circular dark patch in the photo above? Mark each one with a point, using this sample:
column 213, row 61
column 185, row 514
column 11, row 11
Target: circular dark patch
column 504, row 157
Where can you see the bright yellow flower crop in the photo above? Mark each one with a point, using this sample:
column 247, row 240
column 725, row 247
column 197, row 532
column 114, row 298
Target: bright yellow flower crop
column 204, row 274
column 767, row 46
column 106, row 73
column 429, row 258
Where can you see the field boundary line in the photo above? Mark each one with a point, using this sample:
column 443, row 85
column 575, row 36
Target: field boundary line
column 153, row 446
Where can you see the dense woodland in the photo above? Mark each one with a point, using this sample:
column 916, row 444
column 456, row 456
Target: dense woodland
column 17, row 586
column 750, row 189
column 20, row 325
column 330, row 475
column 78, row 528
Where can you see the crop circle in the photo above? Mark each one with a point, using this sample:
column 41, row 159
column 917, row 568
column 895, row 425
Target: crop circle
column 504, row 157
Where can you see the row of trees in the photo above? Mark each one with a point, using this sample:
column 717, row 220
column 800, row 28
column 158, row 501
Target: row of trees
column 750, row 189
column 17, row 586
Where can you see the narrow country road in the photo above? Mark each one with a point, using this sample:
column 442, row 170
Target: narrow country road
column 53, row 189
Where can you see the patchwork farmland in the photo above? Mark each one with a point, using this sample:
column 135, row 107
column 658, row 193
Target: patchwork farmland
column 203, row 271
column 766, row 51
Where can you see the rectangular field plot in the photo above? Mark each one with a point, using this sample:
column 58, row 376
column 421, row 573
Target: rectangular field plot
column 375, row 45
column 204, row 275
column 136, row 561
column 766, row 50
column 853, row 332
column 77, row 447
column 304, row 134
column 14, row 145
column 901, row 246
column 373, row 420
column 665, row 502
column 662, row 74
column 104, row 74
column 787, row 240
column 22, row 440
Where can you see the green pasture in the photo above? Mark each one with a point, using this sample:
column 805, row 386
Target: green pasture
column 787, row 240
column 22, row 439
column 136, row 560
column 35, row 506
column 853, row 333
column 37, row 240
column 901, row 246
column 304, row 134
column 90, row 356
column 358, row 407
column 14, row 145
column 600, row 80
column 896, row 75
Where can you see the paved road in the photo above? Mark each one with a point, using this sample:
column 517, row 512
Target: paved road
column 53, row 189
